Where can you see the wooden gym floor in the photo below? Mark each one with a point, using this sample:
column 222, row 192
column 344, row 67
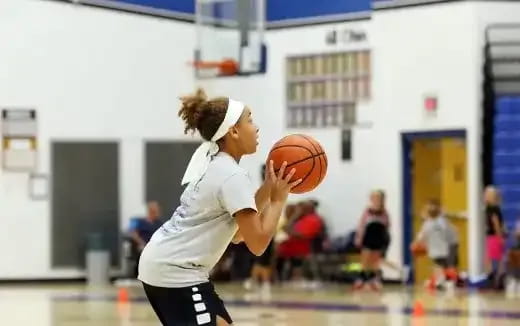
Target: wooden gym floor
column 77, row 305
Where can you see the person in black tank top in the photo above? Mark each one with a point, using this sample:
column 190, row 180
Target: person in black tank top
column 373, row 238
column 494, row 220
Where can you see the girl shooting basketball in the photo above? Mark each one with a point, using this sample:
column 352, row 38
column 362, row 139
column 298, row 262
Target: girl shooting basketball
column 218, row 205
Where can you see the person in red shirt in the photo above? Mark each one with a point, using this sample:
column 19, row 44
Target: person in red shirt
column 304, row 226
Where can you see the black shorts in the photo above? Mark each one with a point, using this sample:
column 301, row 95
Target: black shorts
column 441, row 262
column 453, row 256
column 188, row 306
column 451, row 261
column 266, row 259
column 376, row 237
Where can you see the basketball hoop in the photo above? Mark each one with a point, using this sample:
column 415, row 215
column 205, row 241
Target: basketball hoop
column 226, row 67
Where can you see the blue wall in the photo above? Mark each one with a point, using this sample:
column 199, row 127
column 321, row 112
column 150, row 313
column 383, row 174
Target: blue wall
column 506, row 156
column 277, row 10
column 183, row 6
column 293, row 9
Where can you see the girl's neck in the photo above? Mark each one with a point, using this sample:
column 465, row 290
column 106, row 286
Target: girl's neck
column 234, row 156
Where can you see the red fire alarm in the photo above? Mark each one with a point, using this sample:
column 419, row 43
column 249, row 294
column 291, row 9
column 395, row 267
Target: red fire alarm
column 430, row 103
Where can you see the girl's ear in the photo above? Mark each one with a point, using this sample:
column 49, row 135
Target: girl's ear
column 233, row 132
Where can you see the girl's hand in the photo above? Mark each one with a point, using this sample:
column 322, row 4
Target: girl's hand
column 280, row 185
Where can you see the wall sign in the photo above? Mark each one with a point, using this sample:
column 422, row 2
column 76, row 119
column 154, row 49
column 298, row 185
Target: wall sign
column 430, row 105
column 345, row 36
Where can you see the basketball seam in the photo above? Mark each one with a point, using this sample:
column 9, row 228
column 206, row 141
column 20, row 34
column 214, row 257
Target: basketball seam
column 310, row 171
column 302, row 160
column 312, row 156
column 321, row 170
column 284, row 146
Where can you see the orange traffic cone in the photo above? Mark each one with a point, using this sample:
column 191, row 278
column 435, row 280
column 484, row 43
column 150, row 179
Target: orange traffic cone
column 418, row 309
column 122, row 295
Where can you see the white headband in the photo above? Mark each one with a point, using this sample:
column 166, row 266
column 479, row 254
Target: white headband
column 200, row 160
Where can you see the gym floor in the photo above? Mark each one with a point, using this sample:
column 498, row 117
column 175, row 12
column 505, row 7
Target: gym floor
column 78, row 305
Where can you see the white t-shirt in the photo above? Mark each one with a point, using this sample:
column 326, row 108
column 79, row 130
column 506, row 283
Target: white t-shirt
column 439, row 236
column 184, row 250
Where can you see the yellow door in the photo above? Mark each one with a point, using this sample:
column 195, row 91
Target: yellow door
column 454, row 199
column 439, row 172
column 426, row 176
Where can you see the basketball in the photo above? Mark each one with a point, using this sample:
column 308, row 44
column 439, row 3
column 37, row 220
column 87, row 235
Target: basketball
column 304, row 154
column 418, row 249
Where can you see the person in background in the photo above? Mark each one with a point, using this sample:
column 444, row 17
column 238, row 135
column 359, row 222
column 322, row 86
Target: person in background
column 373, row 238
column 302, row 228
column 142, row 229
column 441, row 242
column 495, row 240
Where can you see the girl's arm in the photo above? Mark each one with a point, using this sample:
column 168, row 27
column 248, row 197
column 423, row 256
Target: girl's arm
column 258, row 228
column 263, row 194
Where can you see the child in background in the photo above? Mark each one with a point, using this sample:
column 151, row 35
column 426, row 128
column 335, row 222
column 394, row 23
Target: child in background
column 303, row 227
column 441, row 242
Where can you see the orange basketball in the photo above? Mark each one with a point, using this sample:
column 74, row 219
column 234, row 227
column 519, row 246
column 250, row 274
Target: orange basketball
column 304, row 154
column 418, row 249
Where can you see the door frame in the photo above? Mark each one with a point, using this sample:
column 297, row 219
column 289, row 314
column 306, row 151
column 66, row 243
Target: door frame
column 407, row 138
